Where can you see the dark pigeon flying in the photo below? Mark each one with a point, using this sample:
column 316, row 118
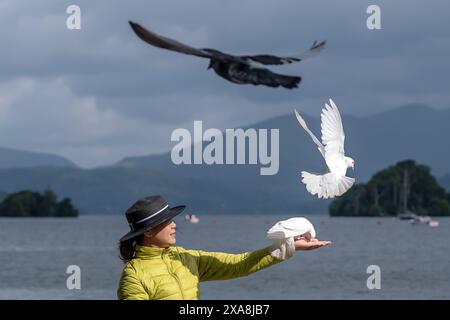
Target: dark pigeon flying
column 237, row 69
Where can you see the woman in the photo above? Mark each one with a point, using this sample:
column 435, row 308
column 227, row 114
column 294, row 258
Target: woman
column 156, row 269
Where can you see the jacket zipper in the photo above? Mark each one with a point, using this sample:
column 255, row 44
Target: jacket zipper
column 173, row 275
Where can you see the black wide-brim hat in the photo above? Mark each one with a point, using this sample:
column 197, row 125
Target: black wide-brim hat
column 147, row 213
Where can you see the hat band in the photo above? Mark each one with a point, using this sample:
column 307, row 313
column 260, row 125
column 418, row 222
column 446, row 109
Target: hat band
column 132, row 225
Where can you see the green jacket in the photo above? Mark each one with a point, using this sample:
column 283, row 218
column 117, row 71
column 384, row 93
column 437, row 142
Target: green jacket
column 175, row 273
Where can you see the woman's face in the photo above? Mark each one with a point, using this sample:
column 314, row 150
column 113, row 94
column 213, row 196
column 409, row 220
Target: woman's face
column 162, row 236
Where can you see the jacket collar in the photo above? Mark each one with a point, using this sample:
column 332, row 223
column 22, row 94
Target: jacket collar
column 144, row 252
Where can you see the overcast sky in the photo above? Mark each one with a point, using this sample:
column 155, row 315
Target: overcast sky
column 99, row 94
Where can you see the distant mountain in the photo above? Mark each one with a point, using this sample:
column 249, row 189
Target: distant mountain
column 410, row 132
column 11, row 158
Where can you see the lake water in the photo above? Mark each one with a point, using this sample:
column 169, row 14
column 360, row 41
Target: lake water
column 414, row 259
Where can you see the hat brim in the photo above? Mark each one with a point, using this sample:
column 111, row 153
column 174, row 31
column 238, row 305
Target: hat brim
column 166, row 215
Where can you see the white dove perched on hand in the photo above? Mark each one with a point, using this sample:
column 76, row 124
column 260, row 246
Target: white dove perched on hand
column 292, row 235
column 334, row 182
column 293, row 227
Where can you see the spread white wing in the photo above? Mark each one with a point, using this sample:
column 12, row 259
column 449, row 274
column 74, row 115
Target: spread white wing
column 332, row 130
column 316, row 141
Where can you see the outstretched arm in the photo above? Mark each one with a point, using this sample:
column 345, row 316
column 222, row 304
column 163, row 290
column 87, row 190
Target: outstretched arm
column 223, row 266
column 285, row 248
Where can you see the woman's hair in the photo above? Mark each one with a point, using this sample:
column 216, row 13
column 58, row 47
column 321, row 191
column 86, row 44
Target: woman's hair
column 127, row 248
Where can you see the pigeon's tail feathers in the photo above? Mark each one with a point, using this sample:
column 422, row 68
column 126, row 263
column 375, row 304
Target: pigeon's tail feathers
column 245, row 74
column 312, row 182
column 326, row 185
column 344, row 184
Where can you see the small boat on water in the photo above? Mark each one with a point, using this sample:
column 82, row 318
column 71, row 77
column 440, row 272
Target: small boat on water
column 415, row 219
column 192, row 218
column 433, row 223
column 407, row 216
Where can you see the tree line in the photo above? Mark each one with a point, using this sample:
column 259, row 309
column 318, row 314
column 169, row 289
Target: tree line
column 27, row 203
column 405, row 187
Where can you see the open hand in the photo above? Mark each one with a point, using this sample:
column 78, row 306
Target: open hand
column 303, row 243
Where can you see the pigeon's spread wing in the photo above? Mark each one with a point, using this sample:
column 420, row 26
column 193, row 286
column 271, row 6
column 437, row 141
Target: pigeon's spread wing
column 222, row 56
column 326, row 185
column 166, row 43
column 332, row 130
column 316, row 141
column 268, row 59
column 242, row 73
